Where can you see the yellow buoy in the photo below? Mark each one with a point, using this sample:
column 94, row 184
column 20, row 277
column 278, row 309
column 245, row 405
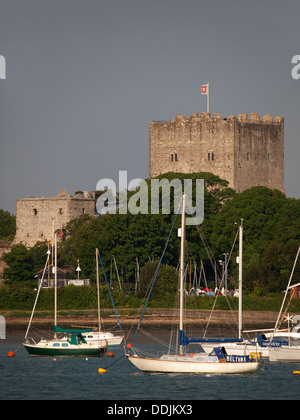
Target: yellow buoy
column 101, row 370
column 296, row 372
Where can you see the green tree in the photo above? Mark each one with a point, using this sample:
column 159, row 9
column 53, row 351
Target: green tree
column 7, row 225
column 127, row 236
column 288, row 222
column 20, row 265
column 23, row 263
column 260, row 209
column 271, row 234
column 273, row 271
column 166, row 282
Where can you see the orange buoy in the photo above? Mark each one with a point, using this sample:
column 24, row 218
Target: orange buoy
column 129, row 345
column 10, row 354
column 110, row 354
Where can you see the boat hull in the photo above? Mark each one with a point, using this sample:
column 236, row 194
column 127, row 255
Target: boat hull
column 95, row 337
column 239, row 349
column 39, row 350
column 115, row 342
column 284, row 354
column 183, row 366
column 246, row 348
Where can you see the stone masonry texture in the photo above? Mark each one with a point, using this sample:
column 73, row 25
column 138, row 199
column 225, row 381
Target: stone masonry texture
column 36, row 218
column 245, row 151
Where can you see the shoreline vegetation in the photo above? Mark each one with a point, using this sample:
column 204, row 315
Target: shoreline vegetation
column 130, row 243
column 78, row 306
column 129, row 317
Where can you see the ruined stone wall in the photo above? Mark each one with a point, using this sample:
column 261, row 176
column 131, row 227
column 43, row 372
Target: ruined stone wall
column 245, row 152
column 37, row 217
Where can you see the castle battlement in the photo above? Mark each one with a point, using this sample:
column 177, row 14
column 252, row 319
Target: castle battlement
column 205, row 116
column 245, row 150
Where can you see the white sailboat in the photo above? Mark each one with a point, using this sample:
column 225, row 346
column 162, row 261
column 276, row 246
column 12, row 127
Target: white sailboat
column 217, row 362
column 240, row 347
column 96, row 336
column 99, row 335
column 273, row 343
column 65, row 342
column 290, row 352
column 285, row 354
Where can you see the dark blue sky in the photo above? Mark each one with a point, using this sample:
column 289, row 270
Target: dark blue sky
column 84, row 78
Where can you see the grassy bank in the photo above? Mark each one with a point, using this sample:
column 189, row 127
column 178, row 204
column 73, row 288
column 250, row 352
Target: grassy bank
column 14, row 298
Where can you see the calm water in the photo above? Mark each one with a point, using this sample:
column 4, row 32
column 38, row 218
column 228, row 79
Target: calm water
column 24, row 377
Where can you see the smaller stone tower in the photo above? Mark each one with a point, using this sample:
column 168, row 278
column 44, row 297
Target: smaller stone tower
column 36, row 218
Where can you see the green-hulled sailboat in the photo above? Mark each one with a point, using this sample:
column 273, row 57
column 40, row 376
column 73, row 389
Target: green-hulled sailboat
column 71, row 343
column 65, row 342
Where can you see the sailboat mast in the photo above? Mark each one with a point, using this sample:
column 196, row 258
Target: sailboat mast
column 182, row 269
column 38, row 292
column 240, row 326
column 55, row 282
column 286, row 292
column 98, row 289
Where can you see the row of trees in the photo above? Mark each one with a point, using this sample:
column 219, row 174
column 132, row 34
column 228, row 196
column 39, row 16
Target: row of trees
column 271, row 237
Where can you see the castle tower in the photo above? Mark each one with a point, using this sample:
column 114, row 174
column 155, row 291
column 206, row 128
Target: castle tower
column 245, row 151
column 37, row 217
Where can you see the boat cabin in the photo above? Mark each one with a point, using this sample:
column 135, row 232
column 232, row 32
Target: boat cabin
column 48, row 281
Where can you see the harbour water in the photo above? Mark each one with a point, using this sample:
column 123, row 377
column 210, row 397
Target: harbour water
column 30, row 378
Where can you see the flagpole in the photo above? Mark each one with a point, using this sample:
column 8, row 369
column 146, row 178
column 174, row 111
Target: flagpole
column 207, row 97
column 205, row 91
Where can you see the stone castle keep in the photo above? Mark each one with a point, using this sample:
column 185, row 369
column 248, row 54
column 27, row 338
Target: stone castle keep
column 36, row 218
column 245, row 152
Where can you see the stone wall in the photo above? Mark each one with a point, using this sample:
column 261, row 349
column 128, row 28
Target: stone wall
column 245, row 152
column 259, row 152
column 36, row 218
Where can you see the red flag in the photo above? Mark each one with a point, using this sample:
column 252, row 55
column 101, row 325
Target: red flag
column 204, row 89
